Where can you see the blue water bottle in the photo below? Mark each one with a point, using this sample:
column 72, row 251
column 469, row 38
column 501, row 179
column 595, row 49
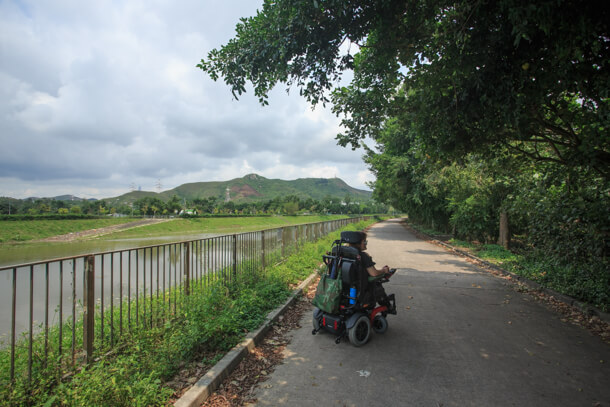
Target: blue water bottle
column 352, row 295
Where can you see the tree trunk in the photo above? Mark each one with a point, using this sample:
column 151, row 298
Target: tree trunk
column 504, row 238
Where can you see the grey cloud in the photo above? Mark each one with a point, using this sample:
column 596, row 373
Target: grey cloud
column 106, row 91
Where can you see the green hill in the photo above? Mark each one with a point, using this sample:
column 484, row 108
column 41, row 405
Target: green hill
column 253, row 188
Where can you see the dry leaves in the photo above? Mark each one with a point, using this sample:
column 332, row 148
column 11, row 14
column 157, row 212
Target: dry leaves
column 238, row 388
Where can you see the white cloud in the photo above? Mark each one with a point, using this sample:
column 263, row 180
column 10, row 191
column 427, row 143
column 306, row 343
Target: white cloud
column 97, row 95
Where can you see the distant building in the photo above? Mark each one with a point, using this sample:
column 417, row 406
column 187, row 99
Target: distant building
column 188, row 212
column 227, row 195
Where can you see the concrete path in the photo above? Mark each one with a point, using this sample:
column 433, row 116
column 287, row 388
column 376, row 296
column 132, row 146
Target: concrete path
column 462, row 337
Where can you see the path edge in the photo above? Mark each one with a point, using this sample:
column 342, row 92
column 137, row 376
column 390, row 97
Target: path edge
column 205, row 386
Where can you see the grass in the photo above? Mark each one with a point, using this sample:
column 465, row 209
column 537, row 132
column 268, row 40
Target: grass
column 210, row 322
column 28, row 230
column 25, row 230
column 493, row 253
column 220, row 225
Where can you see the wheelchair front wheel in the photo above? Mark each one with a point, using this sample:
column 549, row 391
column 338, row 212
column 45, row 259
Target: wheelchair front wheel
column 380, row 324
column 360, row 332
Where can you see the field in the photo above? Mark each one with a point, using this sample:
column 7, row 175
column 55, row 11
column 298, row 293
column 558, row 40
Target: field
column 27, row 230
column 31, row 230
column 218, row 225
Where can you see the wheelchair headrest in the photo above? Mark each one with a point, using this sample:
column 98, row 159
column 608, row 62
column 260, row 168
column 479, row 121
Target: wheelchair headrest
column 352, row 237
column 346, row 251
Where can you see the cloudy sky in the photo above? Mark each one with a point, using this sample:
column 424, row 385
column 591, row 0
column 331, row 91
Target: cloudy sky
column 99, row 96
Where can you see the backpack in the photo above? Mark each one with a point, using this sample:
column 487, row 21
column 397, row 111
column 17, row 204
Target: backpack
column 342, row 265
column 328, row 293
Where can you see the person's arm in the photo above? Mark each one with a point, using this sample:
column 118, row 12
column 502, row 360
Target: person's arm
column 375, row 272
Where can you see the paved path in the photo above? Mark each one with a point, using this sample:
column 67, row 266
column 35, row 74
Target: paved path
column 462, row 337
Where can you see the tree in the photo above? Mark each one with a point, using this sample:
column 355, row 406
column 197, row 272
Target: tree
column 438, row 83
column 173, row 205
column 149, row 205
column 532, row 77
column 291, row 208
column 205, row 205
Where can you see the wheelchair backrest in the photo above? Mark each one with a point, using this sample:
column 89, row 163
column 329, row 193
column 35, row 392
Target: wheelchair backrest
column 346, row 261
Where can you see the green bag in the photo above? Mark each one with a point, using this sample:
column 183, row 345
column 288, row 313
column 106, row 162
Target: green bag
column 328, row 294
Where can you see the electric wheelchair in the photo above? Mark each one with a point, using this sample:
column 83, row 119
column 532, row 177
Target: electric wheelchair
column 362, row 306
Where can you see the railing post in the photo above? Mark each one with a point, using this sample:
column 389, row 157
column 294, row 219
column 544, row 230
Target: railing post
column 283, row 243
column 187, row 268
column 234, row 257
column 13, row 312
column 89, row 308
column 263, row 248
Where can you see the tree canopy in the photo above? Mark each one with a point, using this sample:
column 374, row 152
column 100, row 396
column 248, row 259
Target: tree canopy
column 529, row 76
column 477, row 109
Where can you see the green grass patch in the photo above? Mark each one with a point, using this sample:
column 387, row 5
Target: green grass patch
column 27, row 230
column 220, row 225
column 462, row 244
column 492, row 253
column 24, row 230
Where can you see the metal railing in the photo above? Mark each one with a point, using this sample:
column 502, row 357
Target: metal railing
column 100, row 298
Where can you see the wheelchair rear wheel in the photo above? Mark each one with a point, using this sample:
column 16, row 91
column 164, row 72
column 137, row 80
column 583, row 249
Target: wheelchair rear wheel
column 360, row 332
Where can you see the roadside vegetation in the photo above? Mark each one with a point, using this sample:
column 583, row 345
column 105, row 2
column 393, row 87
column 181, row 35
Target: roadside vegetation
column 141, row 370
column 585, row 284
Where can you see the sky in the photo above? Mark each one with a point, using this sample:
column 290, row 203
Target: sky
column 99, row 97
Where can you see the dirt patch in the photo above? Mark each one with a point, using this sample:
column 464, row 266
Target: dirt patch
column 83, row 234
column 243, row 191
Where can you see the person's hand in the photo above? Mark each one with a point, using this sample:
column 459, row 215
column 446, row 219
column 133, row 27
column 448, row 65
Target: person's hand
column 390, row 272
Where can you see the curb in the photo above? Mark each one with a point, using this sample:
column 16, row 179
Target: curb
column 586, row 308
column 201, row 390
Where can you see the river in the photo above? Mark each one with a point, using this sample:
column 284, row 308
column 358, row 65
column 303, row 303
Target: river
column 13, row 254
column 19, row 254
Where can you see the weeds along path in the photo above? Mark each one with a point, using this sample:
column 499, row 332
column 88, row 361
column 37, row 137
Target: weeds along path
column 101, row 231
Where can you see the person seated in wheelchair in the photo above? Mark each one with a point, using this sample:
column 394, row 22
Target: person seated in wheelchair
column 374, row 292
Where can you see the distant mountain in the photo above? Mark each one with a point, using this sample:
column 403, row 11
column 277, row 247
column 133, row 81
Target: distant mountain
column 253, row 188
column 61, row 198
column 71, row 198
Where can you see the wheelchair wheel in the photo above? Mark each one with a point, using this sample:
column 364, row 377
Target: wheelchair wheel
column 360, row 332
column 316, row 325
column 380, row 324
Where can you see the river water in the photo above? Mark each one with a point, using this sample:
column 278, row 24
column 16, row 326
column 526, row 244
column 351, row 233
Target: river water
column 68, row 283
column 13, row 254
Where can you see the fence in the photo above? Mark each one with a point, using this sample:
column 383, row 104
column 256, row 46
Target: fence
column 100, row 298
